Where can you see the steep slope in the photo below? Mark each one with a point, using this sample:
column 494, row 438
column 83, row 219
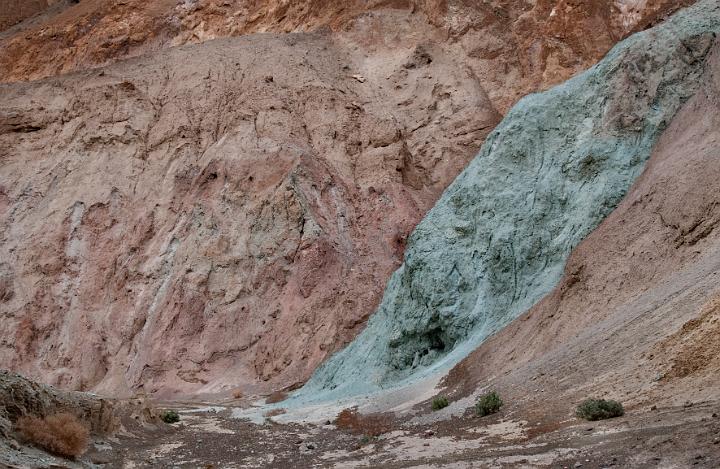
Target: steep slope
column 497, row 240
column 214, row 217
column 227, row 214
column 15, row 11
column 636, row 313
column 513, row 46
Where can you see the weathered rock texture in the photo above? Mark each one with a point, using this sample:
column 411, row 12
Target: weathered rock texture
column 20, row 396
column 103, row 417
column 221, row 220
column 497, row 240
column 636, row 314
column 513, row 46
column 15, row 11
column 227, row 214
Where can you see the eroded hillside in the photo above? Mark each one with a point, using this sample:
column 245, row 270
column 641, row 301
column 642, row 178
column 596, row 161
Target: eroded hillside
column 498, row 239
column 217, row 219
column 227, row 214
column 513, row 46
column 636, row 312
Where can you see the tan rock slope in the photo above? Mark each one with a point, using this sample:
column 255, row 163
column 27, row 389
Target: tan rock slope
column 637, row 314
column 15, row 11
column 514, row 46
column 226, row 214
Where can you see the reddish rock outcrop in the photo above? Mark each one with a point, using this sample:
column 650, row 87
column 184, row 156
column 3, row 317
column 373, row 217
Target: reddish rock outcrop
column 226, row 214
column 513, row 46
column 15, row 11
column 219, row 214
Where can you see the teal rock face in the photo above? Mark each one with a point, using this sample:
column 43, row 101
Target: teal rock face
column 498, row 239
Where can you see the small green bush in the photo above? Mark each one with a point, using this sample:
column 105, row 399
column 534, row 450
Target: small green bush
column 170, row 416
column 440, row 402
column 599, row 409
column 488, row 404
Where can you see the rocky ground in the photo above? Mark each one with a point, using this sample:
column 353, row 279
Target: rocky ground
column 207, row 436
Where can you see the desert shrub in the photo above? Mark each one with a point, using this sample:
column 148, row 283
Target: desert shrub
column 488, row 404
column 599, row 409
column 170, row 416
column 60, row 433
column 370, row 425
column 440, row 402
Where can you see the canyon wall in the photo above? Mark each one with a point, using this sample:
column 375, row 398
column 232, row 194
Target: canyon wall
column 226, row 213
column 221, row 215
column 498, row 239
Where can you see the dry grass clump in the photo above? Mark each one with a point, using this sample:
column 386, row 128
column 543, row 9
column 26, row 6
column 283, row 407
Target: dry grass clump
column 277, row 396
column 274, row 413
column 60, row 433
column 370, row 425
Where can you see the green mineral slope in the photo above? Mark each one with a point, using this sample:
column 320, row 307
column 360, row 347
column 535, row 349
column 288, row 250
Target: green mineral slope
column 498, row 239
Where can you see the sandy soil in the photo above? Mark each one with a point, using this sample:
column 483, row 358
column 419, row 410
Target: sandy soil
column 679, row 436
